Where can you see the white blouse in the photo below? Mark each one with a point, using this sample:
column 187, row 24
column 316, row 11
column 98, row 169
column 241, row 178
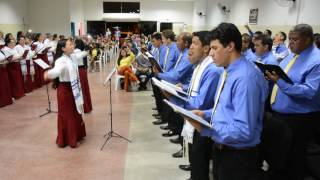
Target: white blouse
column 61, row 66
column 8, row 52
column 2, row 57
column 80, row 59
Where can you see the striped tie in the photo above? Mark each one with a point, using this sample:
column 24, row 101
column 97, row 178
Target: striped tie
column 165, row 59
column 179, row 58
column 286, row 70
column 223, row 80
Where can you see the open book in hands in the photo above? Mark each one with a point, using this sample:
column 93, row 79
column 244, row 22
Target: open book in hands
column 154, row 62
column 9, row 58
column 277, row 69
column 42, row 64
column 188, row 114
column 178, row 89
column 169, row 89
column 25, row 54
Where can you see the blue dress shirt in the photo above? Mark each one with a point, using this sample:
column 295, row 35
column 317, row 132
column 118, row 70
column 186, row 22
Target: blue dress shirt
column 268, row 58
column 250, row 55
column 237, row 121
column 174, row 52
column 303, row 95
column 181, row 73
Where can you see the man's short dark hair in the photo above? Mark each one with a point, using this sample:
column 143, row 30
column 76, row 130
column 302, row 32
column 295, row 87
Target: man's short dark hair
column 304, row 30
column 269, row 32
column 156, row 36
column 187, row 38
column 316, row 38
column 227, row 33
column 284, row 35
column 203, row 36
column 265, row 40
column 169, row 34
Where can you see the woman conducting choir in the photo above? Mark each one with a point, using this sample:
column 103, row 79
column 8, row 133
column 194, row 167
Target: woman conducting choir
column 71, row 128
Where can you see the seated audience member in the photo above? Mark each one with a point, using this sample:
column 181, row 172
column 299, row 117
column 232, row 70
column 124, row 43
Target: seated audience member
column 142, row 65
column 124, row 62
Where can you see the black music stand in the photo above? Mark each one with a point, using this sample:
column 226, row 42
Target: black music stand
column 111, row 133
column 49, row 104
column 44, row 66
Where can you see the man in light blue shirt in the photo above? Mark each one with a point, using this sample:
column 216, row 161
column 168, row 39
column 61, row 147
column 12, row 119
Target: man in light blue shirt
column 180, row 73
column 237, row 114
column 246, row 47
column 262, row 46
column 182, row 70
column 295, row 106
column 171, row 53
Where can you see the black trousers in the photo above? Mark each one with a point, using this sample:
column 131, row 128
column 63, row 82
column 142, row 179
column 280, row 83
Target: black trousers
column 148, row 76
column 158, row 98
column 200, row 157
column 229, row 164
column 284, row 141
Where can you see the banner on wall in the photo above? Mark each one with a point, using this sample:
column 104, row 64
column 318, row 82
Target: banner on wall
column 253, row 16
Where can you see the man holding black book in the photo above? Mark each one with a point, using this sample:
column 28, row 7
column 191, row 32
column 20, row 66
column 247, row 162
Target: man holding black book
column 295, row 106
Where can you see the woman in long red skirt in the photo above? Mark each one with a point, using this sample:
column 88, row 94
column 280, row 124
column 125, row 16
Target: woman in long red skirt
column 5, row 89
column 83, row 73
column 14, row 70
column 71, row 128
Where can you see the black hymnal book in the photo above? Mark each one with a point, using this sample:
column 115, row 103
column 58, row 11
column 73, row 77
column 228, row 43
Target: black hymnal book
column 154, row 62
column 25, row 54
column 275, row 68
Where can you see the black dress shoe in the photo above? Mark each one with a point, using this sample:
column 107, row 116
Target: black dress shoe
column 169, row 133
column 165, row 127
column 185, row 167
column 154, row 108
column 158, row 122
column 189, row 178
column 176, row 140
column 157, row 117
column 178, row 154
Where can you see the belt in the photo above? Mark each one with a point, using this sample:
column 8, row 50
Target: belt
column 225, row 147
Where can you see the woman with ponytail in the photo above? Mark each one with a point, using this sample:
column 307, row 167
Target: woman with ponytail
column 71, row 128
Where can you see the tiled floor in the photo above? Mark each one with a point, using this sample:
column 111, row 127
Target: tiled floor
column 28, row 149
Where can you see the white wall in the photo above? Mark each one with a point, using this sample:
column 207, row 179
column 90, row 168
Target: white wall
column 273, row 14
column 49, row 16
column 13, row 15
column 199, row 21
column 77, row 14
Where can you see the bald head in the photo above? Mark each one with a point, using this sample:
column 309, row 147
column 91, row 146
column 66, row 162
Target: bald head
column 184, row 40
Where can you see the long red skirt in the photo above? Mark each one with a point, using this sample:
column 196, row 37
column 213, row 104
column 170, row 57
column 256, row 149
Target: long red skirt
column 28, row 84
column 71, row 128
column 37, row 76
column 16, row 80
column 87, row 105
column 44, row 57
column 5, row 89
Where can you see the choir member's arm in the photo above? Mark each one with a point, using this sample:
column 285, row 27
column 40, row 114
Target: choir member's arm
column 79, row 54
column 308, row 89
column 54, row 72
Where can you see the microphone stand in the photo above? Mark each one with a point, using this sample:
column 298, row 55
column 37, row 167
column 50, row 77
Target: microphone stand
column 110, row 134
